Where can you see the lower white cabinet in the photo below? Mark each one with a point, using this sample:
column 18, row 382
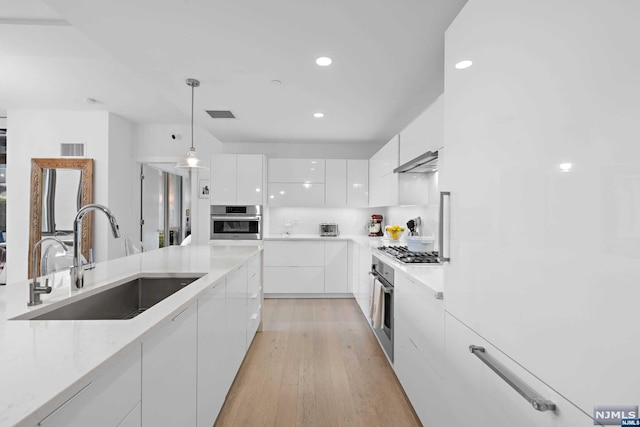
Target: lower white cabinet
column 306, row 267
column 475, row 395
column 423, row 387
column 213, row 355
column 336, row 271
column 362, row 291
column 134, row 418
column 254, row 296
column 109, row 400
column 419, row 347
column 169, row 372
column 236, row 318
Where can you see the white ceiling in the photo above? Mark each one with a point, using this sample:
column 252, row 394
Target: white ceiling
column 134, row 56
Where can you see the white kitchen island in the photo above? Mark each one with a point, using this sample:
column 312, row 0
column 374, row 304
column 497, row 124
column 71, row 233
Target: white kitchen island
column 45, row 363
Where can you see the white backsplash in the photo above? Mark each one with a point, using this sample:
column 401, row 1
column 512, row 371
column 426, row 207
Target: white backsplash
column 351, row 221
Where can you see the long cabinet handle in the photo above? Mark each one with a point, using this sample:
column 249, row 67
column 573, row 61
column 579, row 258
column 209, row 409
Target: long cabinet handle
column 72, row 398
column 538, row 403
column 444, row 256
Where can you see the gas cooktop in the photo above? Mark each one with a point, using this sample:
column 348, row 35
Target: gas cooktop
column 402, row 254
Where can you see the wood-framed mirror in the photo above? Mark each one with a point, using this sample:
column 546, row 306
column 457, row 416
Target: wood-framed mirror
column 59, row 188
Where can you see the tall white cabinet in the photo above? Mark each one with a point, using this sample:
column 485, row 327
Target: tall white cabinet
column 237, row 179
column 383, row 183
column 542, row 166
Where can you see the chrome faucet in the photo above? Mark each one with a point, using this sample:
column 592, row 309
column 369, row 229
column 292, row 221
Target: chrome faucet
column 77, row 270
column 34, row 289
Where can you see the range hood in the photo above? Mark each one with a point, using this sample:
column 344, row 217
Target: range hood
column 427, row 162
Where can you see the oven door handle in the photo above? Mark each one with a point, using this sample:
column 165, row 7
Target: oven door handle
column 387, row 289
column 235, row 218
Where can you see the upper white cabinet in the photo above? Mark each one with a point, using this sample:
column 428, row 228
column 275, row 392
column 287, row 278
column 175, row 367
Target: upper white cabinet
column 297, row 170
column 237, row 179
column 425, row 133
column 336, row 182
column 383, row 183
column 357, row 183
column 296, row 194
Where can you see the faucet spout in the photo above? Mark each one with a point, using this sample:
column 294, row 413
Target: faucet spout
column 77, row 276
column 34, row 290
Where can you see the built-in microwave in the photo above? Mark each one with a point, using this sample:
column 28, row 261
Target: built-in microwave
column 236, row 222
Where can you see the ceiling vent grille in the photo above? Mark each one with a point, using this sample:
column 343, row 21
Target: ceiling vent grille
column 221, row 114
column 72, row 150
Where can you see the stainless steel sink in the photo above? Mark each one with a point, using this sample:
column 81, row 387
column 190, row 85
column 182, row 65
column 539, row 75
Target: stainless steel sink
column 121, row 302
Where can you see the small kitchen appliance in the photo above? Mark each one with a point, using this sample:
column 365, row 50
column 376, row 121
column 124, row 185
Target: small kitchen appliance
column 236, row 222
column 375, row 226
column 329, row 230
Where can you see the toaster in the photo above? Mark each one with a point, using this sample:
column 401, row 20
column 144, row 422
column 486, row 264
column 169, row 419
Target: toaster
column 329, row 229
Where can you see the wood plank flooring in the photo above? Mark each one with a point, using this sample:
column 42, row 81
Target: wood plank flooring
column 316, row 363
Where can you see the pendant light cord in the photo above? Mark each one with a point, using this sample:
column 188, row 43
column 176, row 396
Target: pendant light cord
column 192, row 89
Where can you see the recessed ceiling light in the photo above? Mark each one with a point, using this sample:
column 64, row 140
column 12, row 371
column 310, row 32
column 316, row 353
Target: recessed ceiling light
column 324, row 61
column 565, row 167
column 318, row 115
column 464, row 64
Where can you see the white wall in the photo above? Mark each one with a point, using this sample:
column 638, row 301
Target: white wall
column 351, row 221
column 38, row 133
column 122, row 198
column 155, row 145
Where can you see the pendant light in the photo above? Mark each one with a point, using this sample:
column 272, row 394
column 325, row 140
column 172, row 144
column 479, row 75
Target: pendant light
column 191, row 160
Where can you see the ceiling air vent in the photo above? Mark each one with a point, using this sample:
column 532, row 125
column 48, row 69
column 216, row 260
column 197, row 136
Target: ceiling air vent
column 71, row 150
column 221, row 114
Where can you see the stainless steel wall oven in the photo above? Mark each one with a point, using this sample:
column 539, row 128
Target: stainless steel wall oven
column 236, row 222
column 384, row 273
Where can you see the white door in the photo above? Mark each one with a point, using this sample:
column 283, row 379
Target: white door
column 151, row 207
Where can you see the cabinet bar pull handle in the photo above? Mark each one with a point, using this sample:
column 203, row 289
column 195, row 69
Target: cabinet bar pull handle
column 44, row 420
column 538, row 403
column 178, row 315
column 441, row 226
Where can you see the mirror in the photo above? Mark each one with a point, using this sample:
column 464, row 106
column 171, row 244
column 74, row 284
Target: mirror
column 59, row 187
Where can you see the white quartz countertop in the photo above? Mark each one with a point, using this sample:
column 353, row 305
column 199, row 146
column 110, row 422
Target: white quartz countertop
column 44, row 362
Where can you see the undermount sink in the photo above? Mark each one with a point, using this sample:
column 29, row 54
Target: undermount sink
column 121, row 302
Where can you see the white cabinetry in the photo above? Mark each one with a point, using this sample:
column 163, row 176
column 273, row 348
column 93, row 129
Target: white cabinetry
column 336, row 257
column 237, row 179
column 357, row 183
column 475, row 392
column 424, row 133
column 362, row 291
column 169, row 372
column 296, row 182
column 336, row 182
column 107, row 401
column 419, row 347
column 306, row 267
column 297, row 170
column 383, row 183
column 542, row 172
column 254, row 298
column 237, row 317
column 213, row 354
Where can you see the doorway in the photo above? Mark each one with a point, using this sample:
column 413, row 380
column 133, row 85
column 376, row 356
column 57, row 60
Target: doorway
column 163, row 202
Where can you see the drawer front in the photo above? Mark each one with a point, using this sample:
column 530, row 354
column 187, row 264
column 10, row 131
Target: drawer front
column 293, row 254
column 422, row 316
column 475, row 394
column 424, row 388
column 293, row 280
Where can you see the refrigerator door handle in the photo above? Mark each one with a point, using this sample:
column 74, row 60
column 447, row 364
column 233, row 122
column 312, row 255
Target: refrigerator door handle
column 444, row 255
column 538, row 403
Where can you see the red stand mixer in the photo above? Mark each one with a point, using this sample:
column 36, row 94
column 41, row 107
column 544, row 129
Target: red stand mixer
column 375, row 226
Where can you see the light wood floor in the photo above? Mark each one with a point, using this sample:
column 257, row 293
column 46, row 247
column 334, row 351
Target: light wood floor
column 316, row 363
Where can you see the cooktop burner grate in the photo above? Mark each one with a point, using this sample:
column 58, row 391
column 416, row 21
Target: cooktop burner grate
column 402, row 254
